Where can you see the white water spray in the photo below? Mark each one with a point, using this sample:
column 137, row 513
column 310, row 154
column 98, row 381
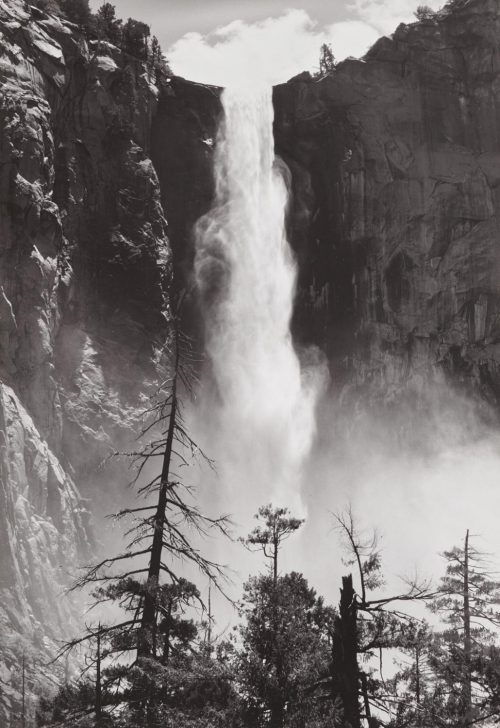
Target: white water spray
column 262, row 415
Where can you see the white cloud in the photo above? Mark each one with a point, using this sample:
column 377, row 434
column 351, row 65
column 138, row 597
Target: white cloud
column 269, row 51
column 350, row 38
column 386, row 15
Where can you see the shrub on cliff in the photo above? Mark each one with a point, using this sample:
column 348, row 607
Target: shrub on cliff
column 135, row 38
column 78, row 12
column 48, row 6
column 132, row 38
column 424, row 12
column 109, row 27
column 326, row 61
column 157, row 61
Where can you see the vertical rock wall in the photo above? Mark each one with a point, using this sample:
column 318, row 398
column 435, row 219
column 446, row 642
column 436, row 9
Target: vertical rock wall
column 396, row 167
column 85, row 267
column 85, row 277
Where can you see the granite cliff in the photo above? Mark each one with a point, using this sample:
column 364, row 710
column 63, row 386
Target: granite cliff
column 396, row 170
column 85, row 272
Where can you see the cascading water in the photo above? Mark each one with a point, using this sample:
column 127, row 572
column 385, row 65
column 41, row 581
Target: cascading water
column 262, row 414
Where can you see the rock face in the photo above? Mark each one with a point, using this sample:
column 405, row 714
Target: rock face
column 395, row 218
column 43, row 532
column 85, row 271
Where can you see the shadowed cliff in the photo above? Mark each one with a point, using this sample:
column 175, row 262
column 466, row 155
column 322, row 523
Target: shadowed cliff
column 396, row 164
column 85, row 275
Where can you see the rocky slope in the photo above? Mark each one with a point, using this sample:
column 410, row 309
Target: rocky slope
column 396, row 168
column 85, row 270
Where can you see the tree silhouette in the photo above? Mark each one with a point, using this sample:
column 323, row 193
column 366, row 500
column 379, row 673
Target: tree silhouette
column 109, row 26
column 366, row 624
column 163, row 532
column 277, row 526
column 469, row 603
column 135, row 38
column 77, row 11
column 284, row 652
column 326, row 60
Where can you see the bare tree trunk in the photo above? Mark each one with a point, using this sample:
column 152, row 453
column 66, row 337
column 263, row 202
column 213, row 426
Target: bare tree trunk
column 417, row 674
column 148, row 622
column 345, row 677
column 147, row 638
column 166, row 643
column 277, row 702
column 23, row 707
column 277, row 716
column 209, row 628
column 98, row 683
column 366, row 699
column 418, row 689
column 467, row 638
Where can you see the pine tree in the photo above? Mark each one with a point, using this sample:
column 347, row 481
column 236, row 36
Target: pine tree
column 157, row 63
column 77, row 11
column 285, row 633
column 147, row 585
column 413, row 690
column 277, row 526
column 326, row 60
column 424, row 12
column 284, row 652
column 469, row 603
column 109, row 27
column 135, row 38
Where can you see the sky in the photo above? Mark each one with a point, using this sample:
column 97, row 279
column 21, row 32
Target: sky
column 224, row 41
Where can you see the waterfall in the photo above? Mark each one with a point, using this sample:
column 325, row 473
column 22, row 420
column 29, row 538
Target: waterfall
column 262, row 413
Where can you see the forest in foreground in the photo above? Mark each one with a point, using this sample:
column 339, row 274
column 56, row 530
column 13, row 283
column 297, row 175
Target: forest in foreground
column 291, row 659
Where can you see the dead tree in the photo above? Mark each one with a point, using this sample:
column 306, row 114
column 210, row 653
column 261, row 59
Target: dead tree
column 162, row 533
column 467, row 600
column 365, row 624
column 467, row 637
column 98, row 680
column 345, row 669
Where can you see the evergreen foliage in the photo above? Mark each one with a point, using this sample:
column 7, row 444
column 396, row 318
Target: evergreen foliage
column 424, row 12
column 284, row 652
column 294, row 661
column 135, row 39
column 78, row 12
column 464, row 657
column 109, row 27
column 142, row 660
column 132, row 37
column 276, row 525
column 326, row 60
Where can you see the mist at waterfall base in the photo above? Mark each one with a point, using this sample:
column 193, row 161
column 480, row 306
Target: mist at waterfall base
column 420, row 473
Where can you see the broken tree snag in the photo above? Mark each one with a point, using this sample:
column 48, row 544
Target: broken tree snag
column 345, row 655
